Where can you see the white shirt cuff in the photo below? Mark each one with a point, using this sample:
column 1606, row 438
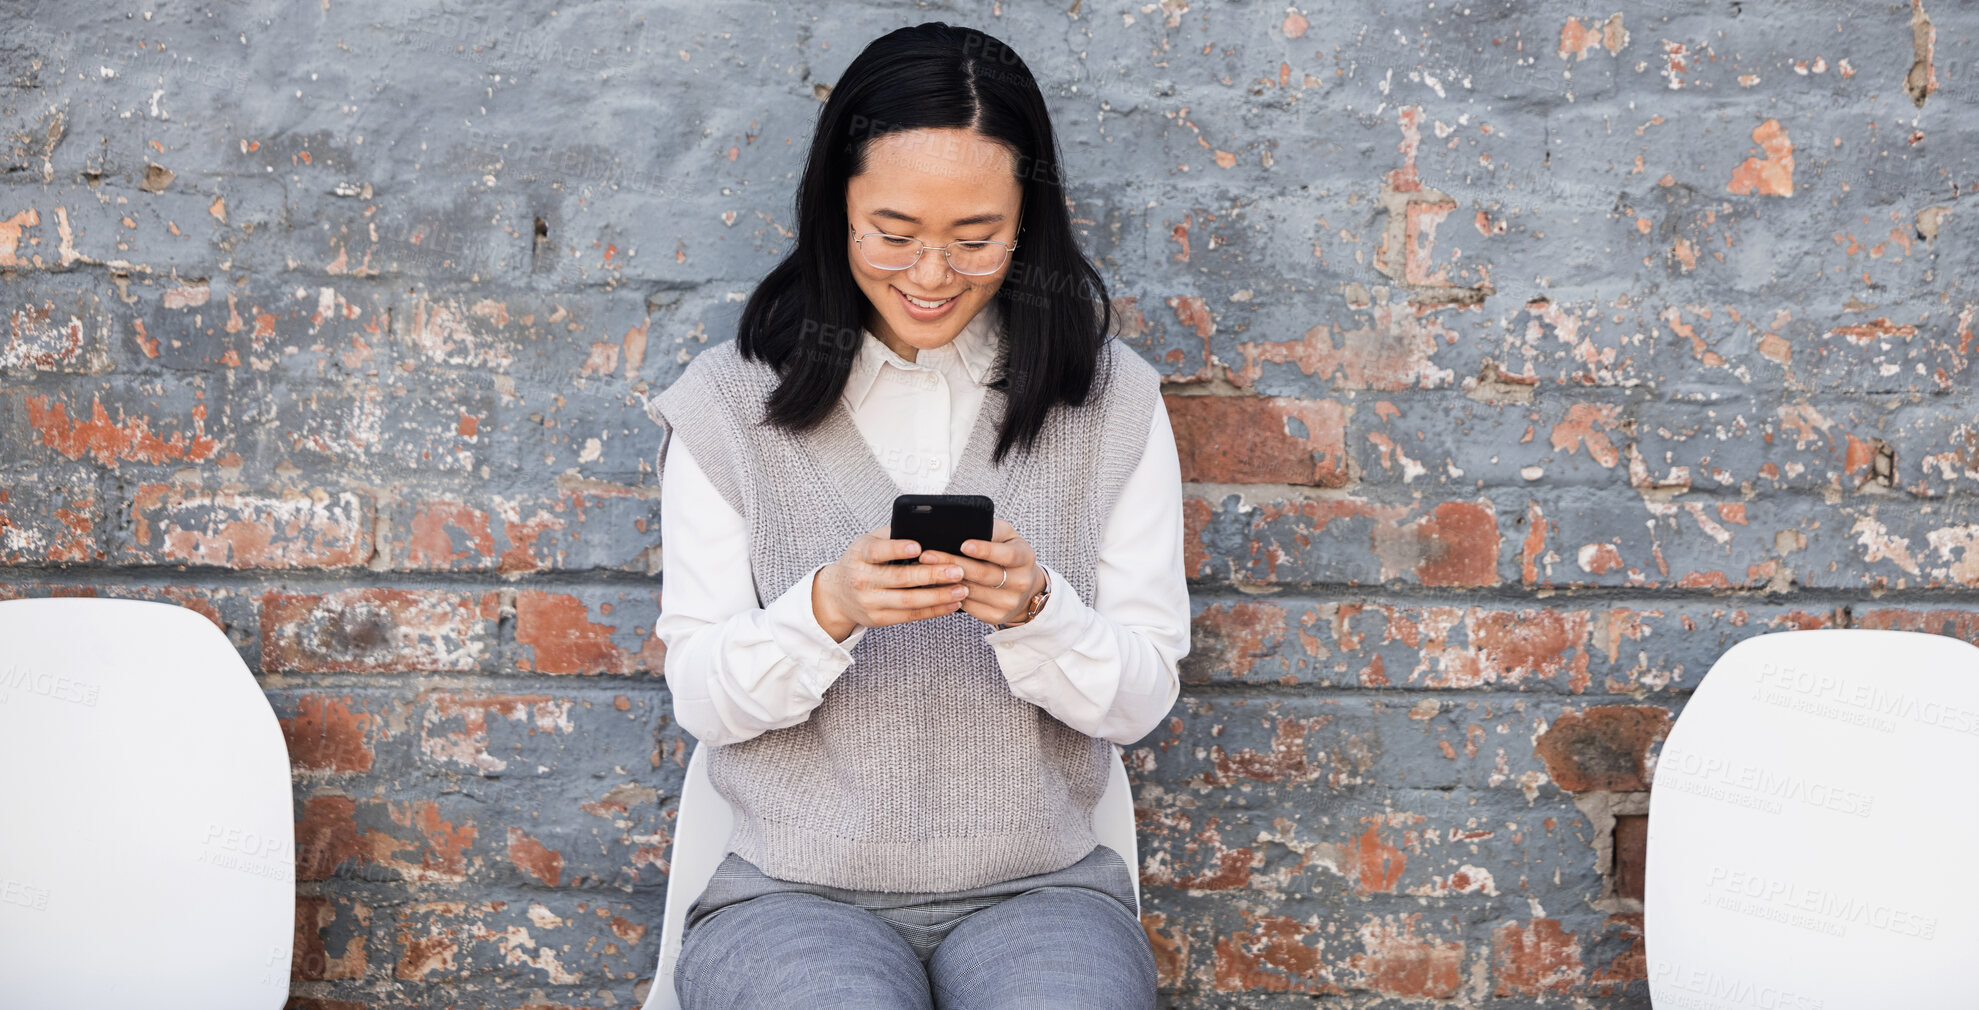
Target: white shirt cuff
column 795, row 629
column 1045, row 637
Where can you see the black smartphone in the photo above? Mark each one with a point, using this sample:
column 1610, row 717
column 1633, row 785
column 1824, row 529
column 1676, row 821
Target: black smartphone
column 940, row 522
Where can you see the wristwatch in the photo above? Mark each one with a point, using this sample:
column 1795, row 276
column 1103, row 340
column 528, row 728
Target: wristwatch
column 1036, row 604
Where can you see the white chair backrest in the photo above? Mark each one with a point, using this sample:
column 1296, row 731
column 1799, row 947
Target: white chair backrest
column 147, row 856
column 700, row 842
column 1812, row 825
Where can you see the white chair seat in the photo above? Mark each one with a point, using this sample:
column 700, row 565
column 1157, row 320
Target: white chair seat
column 1811, row 827
column 702, row 827
column 148, row 857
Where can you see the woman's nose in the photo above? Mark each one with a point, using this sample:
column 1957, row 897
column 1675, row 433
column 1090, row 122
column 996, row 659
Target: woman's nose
column 930, row 273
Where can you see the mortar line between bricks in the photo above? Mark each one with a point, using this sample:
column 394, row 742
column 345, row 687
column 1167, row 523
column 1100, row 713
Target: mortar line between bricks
column 570, row 683
column 1334, row 592
column 507, row 682
column 154, row 577
column 1265, row 691
column 315, row 580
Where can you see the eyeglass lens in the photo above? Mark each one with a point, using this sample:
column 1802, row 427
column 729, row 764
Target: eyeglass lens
column 893, row 252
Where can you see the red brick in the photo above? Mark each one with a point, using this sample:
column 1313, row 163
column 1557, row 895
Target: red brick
column 1249, row 440
column 1604, row 748
column 437, row 948
column 129, row 438
column 325, row 736
column 1455, row 545
column 1612, row 649
column 1229, row 637
column 1190, row 311
column 1392, row 352
column 1631, row 966
column 1224, row 868
column 226, row 608
column 1398, row 962
column 311, row 958
column 239, row 529
column 1420, row 221
column 1587, row 425
column 534, row 858
column 557, row 631
column 326, row 837
column 599, row 525
column 1545, row 643
column 1535, row 959
column 1273, row 957
column 1962, row 624
column 1631, row 854
column 1288, row 761
column 44, row 524
column 1196, row 516
column 424, row 847
column 520, row 946
column 372, row 630
column 46, row 338
column 1351, row 540
column 1378, row 863
column 428, row 543
column 467, row 747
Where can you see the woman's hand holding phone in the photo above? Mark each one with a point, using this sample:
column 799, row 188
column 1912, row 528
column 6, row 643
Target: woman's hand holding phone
column 984, row 567
column 862, row 589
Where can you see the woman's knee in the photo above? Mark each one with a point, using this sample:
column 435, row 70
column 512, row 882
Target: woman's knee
column 1048, row 947
column 797, row 950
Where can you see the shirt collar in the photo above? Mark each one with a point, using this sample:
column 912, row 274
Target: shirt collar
column 975, row 345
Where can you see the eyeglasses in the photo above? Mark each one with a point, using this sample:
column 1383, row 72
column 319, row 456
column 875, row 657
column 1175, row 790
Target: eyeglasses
column 898, row 252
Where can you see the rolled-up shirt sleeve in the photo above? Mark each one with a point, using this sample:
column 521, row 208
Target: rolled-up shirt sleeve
column 1111, row 668
column 736, row 669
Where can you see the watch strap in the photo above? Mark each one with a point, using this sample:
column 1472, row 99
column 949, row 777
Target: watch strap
column 1035, row 605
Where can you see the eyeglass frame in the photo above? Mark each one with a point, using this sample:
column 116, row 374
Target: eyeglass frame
column 1010, row 249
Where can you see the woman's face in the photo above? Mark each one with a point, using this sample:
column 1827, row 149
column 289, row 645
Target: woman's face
column 939, row 186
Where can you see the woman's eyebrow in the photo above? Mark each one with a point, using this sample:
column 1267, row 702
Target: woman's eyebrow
column 958, row 223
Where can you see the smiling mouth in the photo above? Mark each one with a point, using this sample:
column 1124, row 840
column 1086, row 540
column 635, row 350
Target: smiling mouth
column 927, row 303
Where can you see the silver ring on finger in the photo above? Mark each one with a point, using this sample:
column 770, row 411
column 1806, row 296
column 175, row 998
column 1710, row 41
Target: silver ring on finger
column 1000, row 582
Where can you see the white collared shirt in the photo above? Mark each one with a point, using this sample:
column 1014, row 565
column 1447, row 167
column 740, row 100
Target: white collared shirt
column 1108, row 668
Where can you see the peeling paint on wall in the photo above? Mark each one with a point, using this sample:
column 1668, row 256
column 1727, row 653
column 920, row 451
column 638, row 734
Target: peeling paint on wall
column 1521, row 359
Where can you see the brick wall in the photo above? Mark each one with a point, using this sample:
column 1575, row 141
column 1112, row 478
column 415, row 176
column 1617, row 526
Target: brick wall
column 1522, row 357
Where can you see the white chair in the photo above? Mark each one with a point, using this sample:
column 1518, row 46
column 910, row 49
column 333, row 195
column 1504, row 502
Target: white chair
column 1812, row 826
column 147, row 852
column 700, row 842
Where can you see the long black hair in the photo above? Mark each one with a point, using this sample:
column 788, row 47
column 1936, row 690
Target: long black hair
column 804, row 319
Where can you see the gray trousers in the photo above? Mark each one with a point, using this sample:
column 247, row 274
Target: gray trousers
column 1064, row 938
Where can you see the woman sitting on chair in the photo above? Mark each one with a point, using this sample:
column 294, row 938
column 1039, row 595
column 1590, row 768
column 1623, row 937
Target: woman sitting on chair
column 913, row 751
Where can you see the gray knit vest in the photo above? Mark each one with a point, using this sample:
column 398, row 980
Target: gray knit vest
column 919, row 771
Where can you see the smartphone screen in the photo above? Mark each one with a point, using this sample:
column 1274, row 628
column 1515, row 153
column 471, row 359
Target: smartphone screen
column 940, row 522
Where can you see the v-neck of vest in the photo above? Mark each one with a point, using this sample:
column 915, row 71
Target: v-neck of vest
column 866, row 486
